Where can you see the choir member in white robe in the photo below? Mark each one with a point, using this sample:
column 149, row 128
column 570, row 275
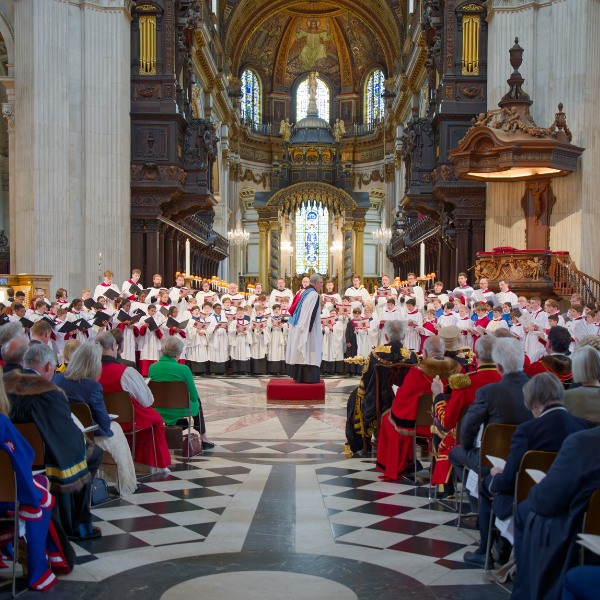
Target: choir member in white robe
column 206, row 294
column 236, row 298
column 465, row 325
column 150, row 341
column 517, row 330
column 197, row 339
column 303, row 352
column 332, row 361
column 156, row 290
column 485, row 290
column 356, row 291
column 381, row 300
column 75, row 313
column 579, row 326
column 592, row 324
column 463, row 288
column 135, row 277
column 448, row 318
column 331, row 298
column 175, row 331
column 218, row 341
column 391, row 314
column 258, row 291
column 497, row 322
column 414, row 319
column 367, row 340
column 278, row 294
column 506, row 295
column 260, row 342
column 130, row 331
column 438, row 292
column 276, row 349
column 179, row 294
column 416, row 292
column 104, row 286
column 59, row 342
column 239, row 344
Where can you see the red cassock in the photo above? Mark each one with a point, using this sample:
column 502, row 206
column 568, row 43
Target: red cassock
column 447, row 413
column 146, row 418
column 551, row 364
column 395, row 445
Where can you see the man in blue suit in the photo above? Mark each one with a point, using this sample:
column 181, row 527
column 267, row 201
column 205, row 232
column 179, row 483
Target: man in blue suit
column 543, row 396
column 547, row 523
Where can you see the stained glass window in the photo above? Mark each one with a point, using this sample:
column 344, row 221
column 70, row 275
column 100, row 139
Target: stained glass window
column 312, row 239
column 374, row 103
column 322, row 100
column 251, row 96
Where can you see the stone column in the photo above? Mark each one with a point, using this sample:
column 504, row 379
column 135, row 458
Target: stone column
column 347, row 231
column 8, row 112
column 169, row 273
column 462, row 246
column 274, row 263
column 263, row 256
column 359, row 250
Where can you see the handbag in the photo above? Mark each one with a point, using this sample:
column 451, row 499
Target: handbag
column 100, row 493
column 195, row 445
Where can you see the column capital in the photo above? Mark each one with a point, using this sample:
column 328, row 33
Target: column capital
column 263, row 226
column 8, row 112
column 275, row 226
column 359, row 226
column 347, row 226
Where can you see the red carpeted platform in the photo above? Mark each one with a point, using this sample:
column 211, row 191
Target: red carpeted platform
column 287, row 391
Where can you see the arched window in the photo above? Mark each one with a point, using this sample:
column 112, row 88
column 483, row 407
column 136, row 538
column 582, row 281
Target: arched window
column 374, row 103
column 312, row 239
column 322, row 100
column 251, row 96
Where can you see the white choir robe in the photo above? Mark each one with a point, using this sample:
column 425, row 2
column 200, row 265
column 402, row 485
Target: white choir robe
column 201, row 297
column 218, row 344
column 304, row 345
column 239, row 345
column 176, row 300
column 443, row 298
column 388, row 315
column 167, row 331
column 285, row 292
column 129, row 338
column 362, row 292
column 447, row 320
column 153, row 296
column 380, row 303
column 125, row 288
column 276, row 348
column 519, row 332
column 150, row 344
column 508, row 297
column 328, row 305
column 578, row 329
column 367, row 340
column 59, row 343
column 464, row 289
column 333, row 344
column 101, row 290
column 418, row 295
column 534, row 350
column 464, row 325
column 73, row 315
column 197, row 348
column 260, row 341
column 496, row 324
column 412, row 339
column 593, row 328
column 237, row 296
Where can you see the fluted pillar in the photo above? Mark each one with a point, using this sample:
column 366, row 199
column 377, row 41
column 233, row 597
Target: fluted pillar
column 263, row 255
column 274, row 263
column 359, row 250
column 347, row 231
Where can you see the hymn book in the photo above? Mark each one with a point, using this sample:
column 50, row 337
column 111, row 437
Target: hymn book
column 344, row 309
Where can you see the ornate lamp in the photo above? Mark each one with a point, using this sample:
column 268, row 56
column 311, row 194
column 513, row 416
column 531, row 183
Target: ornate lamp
column 238, row 237
column 383, row 235
column 506, row 144
column 286, row 247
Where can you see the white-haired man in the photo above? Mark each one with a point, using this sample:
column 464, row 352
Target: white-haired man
column 303, row 354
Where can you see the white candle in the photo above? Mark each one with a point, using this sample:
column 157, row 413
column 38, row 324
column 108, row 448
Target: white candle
column 422, row 274
column 187, row 258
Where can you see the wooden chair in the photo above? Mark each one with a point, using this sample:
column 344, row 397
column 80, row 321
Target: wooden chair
column 32, row 436
column 8, row 493
column 534, row 459
column 172, row 394
column 424, row 419
column 496, row 442
column 83, row 412
column 120, row 403
column 591, row 520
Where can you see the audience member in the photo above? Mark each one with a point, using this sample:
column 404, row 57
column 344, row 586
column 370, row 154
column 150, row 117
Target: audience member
column 446, row 412
column 584, row 401
column 395, row 448
column 120, row 378
column 547, row 523
column 68, row 351
column 555, row 360
column 40, row 333
column 543, row 395
column 71, row 462
column 12, row 353
column 119, row 338
column 80, row 384
column 500, row 402
column 582, row 583
column 361, row 408
column 9, row 331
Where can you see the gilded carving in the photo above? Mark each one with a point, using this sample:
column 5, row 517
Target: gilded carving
column 147, row 91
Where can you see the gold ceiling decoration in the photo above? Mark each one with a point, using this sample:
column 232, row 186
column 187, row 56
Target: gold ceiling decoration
column 313, row 9
column 291, row 198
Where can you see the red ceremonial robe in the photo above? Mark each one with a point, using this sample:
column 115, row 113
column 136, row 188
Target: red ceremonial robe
column 446, row 414
column 395, row 446
column 552, row 364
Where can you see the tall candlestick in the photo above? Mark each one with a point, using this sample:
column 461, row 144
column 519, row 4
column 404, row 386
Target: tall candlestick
column 187, row 258
column 422, row 260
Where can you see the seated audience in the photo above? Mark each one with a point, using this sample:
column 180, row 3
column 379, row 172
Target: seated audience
column 395, row 449
column 41, row 332
column 582, row 583
column 71, row 461
column 167, row 368
column 13, row 352
column 446, row 412
column 8, row 331
column 555, row 361
column 120, row 378
column 500, row 402
column 543, row 396
column 584, row 401
column 80, row 384
column 68, row 351
column 44, row 552
column 547, row 523
column 361, row 408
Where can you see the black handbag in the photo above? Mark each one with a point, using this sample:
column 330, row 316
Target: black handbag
column 100, row 493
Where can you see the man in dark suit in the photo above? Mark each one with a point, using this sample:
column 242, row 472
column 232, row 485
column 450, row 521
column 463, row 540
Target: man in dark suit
column 547, row 523
column 12, row 353
column 546, row 432
column 500, row 402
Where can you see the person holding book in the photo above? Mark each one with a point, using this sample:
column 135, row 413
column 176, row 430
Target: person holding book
column 438, row 307
column 391, row 314
column 357, row 293
column 383, row 294
column 156, row 289
column 218, row 341
column 414, row 291
column 179, row 294
column 333, row 345
column 276, row 347
column 355, row 331
column 258, row 291
column 261, row 336
column 205, row 294
column 123, row 320
column 76, row 315
column 171, row 327
column 465, row 326
column 197, row 343
column 126, row 287
column 149, row 341
column 240, row 341
column 506, row 311
column 448, row 318
column 277, row 294
column 506, row 295
column 108, row 289
column 463, row 290
column 414, row 320
column 331, row 298
column 438, row 292
column 517, row 330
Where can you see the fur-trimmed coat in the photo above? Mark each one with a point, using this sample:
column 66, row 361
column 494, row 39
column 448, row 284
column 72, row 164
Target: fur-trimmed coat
column 35, row 400
column 559, row 364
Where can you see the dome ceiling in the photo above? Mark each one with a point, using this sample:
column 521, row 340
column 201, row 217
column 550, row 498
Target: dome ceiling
column 285, row 38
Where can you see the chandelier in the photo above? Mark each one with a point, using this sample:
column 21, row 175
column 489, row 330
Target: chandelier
column 383, row 235
column 286, row 247
column 240, row 236
column 337, row 248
